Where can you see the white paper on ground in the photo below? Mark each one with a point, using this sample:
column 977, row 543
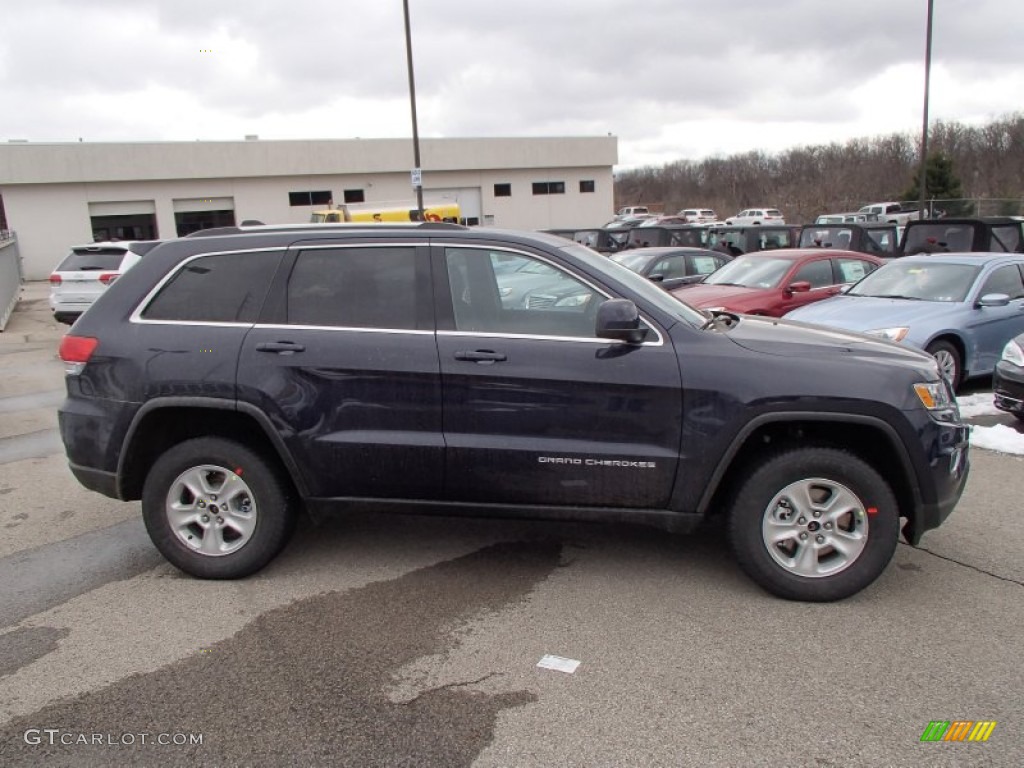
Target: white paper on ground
column 558, row 664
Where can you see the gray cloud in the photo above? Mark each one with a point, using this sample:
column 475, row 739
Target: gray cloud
column 118, row 69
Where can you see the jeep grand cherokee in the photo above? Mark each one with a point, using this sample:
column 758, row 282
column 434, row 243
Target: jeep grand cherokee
column 238, row 375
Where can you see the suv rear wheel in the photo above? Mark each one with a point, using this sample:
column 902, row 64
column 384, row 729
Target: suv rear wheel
column 814, row 524
column 216, row 509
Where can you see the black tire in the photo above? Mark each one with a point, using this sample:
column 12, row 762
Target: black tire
column 270, row 508
column 943, row 350
column 752, row 506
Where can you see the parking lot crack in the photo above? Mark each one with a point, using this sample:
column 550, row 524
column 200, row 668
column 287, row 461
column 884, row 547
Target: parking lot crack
column 965, row 565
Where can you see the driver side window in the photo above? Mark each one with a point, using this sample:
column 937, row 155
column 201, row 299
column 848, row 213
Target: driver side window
column 817, row 273
column 512, row 293
column 1004, row 280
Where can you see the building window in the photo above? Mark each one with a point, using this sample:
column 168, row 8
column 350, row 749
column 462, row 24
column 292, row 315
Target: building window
column 586, row 186
column 549, row 187
column 309, row 198
column 354, row 196
column 503, row 190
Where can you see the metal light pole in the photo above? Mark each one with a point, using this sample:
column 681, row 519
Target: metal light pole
column 923, row 177
column 416, row 172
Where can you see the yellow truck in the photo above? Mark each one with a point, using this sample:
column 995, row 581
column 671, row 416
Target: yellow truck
column 444, row 212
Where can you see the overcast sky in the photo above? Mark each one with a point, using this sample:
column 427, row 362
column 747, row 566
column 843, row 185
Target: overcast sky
column 672, row 79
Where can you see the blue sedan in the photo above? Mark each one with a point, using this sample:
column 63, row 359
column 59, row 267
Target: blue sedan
column 961, row 308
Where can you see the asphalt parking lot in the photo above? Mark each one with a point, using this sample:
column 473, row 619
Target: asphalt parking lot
column 413, row 641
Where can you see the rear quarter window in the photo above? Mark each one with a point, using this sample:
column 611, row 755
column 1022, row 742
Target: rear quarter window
column 219, row 288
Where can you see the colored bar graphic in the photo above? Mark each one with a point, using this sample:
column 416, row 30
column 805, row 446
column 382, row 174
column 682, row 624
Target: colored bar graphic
column 982, row 731
column 958, row 730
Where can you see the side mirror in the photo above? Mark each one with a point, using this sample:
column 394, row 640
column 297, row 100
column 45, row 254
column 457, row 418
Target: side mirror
column 619, row 319
column 801, row 287
column 656, row 278
column 994, row 300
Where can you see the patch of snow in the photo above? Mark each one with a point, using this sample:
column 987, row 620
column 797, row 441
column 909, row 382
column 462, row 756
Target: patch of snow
column 981, row 404
column 998, row 438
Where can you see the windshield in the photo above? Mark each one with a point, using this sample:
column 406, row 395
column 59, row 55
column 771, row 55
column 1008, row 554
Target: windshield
column 644, row 288
column 922, row 280
column 751, row 272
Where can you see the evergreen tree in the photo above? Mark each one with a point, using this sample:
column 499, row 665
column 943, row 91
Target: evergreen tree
column 943, row 187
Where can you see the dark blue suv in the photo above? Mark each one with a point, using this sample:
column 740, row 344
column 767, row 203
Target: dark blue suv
column 237, row 376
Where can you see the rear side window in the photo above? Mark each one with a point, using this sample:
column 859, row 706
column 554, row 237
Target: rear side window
column 354, row 288
column 852, row 270
column 704, row 265
column 1005, row 239
column 87, row 259
column 221, row 288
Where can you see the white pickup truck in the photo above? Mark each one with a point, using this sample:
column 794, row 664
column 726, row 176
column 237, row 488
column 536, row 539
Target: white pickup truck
column 891, row 213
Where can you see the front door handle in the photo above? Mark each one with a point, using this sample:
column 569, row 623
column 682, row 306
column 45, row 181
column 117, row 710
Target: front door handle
column 481, row 356
column 281, row 347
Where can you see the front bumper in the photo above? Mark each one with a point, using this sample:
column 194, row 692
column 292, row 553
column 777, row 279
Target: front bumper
column 948, row 451
column 1008, row 387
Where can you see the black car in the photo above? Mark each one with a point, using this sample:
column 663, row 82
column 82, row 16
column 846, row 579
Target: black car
column 671, row 267
column 735, row 240
column 991, row 234
column 1008, row 378
column 682, row 237
column 877, row 239
column 237, row 376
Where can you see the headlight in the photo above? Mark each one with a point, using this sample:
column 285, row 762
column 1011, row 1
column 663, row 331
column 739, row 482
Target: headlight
column 934, row 395
column 573, row 301
column 714, row 309
column 1012, row 353
column 505, row 292
column 892, row 334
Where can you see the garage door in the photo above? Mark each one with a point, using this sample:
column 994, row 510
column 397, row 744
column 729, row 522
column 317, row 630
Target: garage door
column 468, row 198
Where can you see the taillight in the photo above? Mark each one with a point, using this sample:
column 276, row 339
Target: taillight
column 108, row 277
column 75, row 351
column 55, row 279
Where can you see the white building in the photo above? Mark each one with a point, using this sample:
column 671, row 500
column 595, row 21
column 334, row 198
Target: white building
column 58, row 195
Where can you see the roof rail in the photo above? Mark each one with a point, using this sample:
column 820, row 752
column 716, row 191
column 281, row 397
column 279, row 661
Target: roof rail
column 310, row 227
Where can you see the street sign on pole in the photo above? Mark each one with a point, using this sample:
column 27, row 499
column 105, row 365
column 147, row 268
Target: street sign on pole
column 417, row 177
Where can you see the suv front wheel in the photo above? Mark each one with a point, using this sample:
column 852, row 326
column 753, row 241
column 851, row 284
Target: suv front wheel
column 216, row 509
column 814, row 524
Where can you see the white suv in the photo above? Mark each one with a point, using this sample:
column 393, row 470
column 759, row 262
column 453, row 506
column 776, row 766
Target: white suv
column 86, row 272
column 757, row 216
column 698, row 215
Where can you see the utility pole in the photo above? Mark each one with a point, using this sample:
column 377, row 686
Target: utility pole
column 417, row 178
column 923, row 177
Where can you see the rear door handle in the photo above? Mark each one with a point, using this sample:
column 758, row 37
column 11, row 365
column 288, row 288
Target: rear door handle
column 281, row 347
column 481, row 356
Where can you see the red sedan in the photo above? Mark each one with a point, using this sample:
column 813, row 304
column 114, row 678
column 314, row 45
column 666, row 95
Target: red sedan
column 776, row 282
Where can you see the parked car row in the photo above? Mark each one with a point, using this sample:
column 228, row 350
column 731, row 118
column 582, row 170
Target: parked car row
column 960, row 308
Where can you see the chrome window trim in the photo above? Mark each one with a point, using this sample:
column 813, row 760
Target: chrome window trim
column 344, row 328
column 538, row 337
column 586, row 281
column 136, row 316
